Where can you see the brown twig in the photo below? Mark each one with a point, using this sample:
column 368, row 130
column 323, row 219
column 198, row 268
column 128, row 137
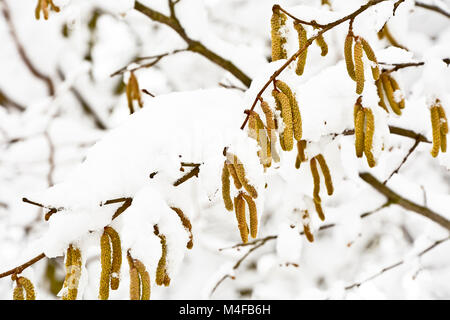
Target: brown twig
column 194, row 172
column 193, row 45
column 22, row 53
column 407, row 204
column 411, row 150
column 392, row 266
column 22, row 267
column 51, row 158
column 432, row 8
column 7, row 102
column 324, row 29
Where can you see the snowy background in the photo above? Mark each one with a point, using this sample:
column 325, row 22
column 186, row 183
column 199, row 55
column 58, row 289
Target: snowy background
column 78, row 146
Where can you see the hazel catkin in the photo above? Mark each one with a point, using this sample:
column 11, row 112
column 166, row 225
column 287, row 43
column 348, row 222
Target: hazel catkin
column 296, row 117
column 435, row 123
column 278, row 40
column 371, row 56
column 18, row 292
column 359, row 66
column 306, row 226
column 326, row 173
column 187, row 225
column 239, row 205
column 226, row 187
column 302, row 42
column 253, row 215
column 105, row 246
column 161, row 270
column 368, row 137
column 240, row 172
column 359, row 132
column 145, row 279
column 286, row 114
column 116, row 257
column 42, row 5
column 301, row 145
column 28, row 287
column 387, row 85
column 348, row 55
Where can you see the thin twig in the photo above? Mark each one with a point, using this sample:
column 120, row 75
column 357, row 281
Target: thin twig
column 392, row 266
column 22, row 53
column 407, row 204
column 432, row 8
column 411, row 150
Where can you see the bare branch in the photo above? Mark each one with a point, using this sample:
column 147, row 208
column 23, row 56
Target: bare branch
column 407, row 204
column 411, row 150
column 193, row 45
column 432, row 8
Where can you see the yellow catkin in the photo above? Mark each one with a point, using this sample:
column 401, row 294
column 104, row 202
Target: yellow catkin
column 296, row 117
column 239, row 205
column 348, row 55
column 306, row 227
column 301, row 145
column 435, row 123
column 326, row 174
column 73, row 273
column 232, row 171
column 443, row 125
column 253, row 215
column 381, row 102
column 105, row 259
column 286, row 114
column 42, row 5
column 252, row 129
column 240, row 172
column 270, row 122
column 161, row 270
column 186, row 224
column 385, row 33
column 316, row 191
column 320, row 41
column 145, row 279
column 359, row 133
column 259, row 133
column 390, row 93
column 135, row 285
column 371, row 56
column 359, row 66
column 302, row 40
column 116, row 257
column 396, row 87
column 226, row 187
column 277, row 22
column 18, row 292
column 368, row 137
column 29, row 288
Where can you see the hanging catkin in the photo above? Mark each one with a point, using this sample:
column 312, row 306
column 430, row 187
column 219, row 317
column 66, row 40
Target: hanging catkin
column 105, row 259
column 29, row 288
column 359, row 131
column 296, row 117
column 186, row 224
column 348, row 54
column 161, row 271
column 395, row 88
column 73, row 273
column 390, row 93
column 359, row 66
column 135, row 285
column 381, row 102
column 371, row 56
column 239, row 205
column 435, row 123
column 240, row 172
column 320, row 41
column 145, row 279
column 326, row 174
column 301, row 145
column 286, row 114
column 42, row 5
column 116, row 257
column 226, row 187
column 302, row 42
column 443, row 124
column 278, row 40
column 270, row 122
column 18, row 292
column 316, row 191
column 306, row 228
column 253, row 215
column 368, row 137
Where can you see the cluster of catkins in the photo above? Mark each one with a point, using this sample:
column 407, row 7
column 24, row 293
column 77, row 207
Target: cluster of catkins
column 23, row 284
column 265, row 134
column 111, row 262
column 42, row 5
